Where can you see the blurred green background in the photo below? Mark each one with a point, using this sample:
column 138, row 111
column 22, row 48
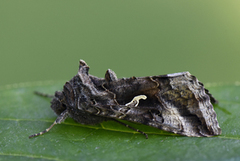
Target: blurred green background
column 44, row 40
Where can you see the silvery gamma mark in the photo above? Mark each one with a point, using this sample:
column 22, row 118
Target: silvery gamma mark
column 177, row 102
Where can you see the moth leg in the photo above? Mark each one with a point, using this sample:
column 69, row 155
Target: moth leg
column 119, row 114
column 131, row 128
column 59, row 120
column 98, row 111
column 43, row 94
column 135, row 100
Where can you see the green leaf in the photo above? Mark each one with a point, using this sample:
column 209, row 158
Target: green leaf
column 22, row 113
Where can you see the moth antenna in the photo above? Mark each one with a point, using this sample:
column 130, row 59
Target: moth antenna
column 131, row 128
column 59, row 120
column 43, row 94
column 135, row 100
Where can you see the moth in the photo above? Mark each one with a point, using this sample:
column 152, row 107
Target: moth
column 176, row 103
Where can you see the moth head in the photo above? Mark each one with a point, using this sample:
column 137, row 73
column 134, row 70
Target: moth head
column 57, row 103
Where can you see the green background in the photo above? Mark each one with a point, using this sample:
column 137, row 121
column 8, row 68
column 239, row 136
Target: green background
column 44, row 40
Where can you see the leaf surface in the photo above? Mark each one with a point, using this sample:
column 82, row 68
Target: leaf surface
column 22, row 113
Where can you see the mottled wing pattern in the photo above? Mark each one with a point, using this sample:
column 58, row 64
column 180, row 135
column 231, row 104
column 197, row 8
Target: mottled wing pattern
column 175, row 102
